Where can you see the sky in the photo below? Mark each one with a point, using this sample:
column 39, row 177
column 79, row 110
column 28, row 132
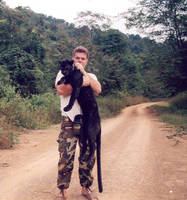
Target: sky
column 68, row 9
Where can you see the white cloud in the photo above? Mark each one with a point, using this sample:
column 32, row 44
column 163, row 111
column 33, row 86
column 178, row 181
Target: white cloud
column 68, row 9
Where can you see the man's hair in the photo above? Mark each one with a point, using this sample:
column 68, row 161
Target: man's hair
column 81, row 49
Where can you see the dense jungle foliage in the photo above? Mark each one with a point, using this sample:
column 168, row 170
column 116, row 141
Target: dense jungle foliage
column 31, row 45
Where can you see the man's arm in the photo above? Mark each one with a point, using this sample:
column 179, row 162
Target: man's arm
column 88, row 80
column 94, row 84
column 64, row 89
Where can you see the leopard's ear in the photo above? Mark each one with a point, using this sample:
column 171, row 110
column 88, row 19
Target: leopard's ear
column 71, row 62
column 60, row 63
column 63, row 63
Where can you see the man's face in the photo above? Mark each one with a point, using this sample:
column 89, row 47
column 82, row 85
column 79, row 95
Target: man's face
column 80, row 58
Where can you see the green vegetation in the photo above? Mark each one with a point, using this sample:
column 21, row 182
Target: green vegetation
column 174, row 113
column 112, row 105
column 18, row 113
column 130, row 68
column 165, row 20
column 36, row 112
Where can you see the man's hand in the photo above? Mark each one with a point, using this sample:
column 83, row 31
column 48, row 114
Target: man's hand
column 86, row 77
column 86, row 80
column 64, row 89
column 80, row 67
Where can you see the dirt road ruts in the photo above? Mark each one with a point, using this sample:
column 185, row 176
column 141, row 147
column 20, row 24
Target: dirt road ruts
column 138, row 162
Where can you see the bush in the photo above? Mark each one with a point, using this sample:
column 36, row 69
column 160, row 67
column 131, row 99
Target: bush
column 37, row 112
column 16, row 112
column 174, row 112
column 179, row 101
column 109, row 106
column 49, row 104
column 112, row 105
column 7, row 138
column 134, row 100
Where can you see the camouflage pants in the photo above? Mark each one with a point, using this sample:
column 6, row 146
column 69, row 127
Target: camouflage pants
column 68, row 138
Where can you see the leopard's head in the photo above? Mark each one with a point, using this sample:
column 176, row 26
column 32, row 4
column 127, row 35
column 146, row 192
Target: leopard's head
column 66, row 67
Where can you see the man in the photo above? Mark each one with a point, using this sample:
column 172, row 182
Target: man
column 68, row 138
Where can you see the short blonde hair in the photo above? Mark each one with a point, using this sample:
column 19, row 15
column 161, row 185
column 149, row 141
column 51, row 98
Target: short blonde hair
column 81, row 49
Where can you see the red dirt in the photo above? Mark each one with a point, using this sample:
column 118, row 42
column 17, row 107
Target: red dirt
column 138, row 162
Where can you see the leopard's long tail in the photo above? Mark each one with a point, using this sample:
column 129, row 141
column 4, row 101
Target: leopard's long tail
column 99, row 176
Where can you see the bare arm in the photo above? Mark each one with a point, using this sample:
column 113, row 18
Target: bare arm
column 88, row 80
column 95, row 85
column 64, row 89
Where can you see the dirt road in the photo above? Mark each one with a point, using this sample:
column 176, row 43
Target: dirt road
column 138, row 162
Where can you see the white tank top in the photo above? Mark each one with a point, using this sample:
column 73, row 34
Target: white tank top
column 64, row 100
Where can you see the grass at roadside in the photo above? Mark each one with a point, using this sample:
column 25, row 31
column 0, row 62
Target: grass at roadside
column 40, row 111
column 18, row 114
column 112, row 105
column 174, row 113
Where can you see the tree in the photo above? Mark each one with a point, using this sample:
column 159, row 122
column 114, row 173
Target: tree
column 2, row 3
column 111, row 42
column 33, row 45
column 164, row 18
column 24, row 71
column 111, row 75
column 93, row 20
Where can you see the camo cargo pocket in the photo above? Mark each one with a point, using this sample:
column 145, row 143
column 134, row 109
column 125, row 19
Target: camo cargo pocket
column 66, row 132
column 76, row 129
column 77, row 125
column 61, row 144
